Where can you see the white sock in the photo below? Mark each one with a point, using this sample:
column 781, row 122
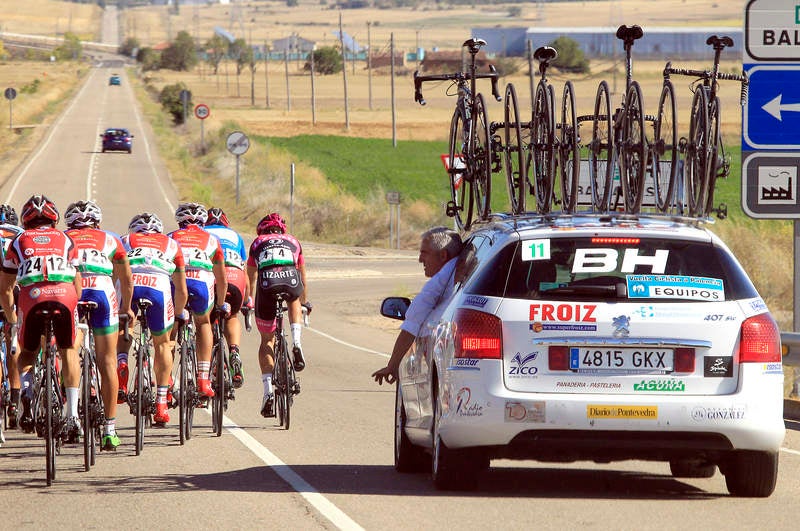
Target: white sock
column 266, row 379
column 296, row 330
column 72, row 401
column 122, row 357
column 202, row 369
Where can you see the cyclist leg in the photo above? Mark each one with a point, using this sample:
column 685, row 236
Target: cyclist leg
column 233, row 328
column 104, row 321
column 160, row 319
column 65, row 334
column 200, row 301
column 266, row 324
column 12, row 355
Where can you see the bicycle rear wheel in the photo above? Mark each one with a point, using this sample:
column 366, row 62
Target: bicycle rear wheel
column 279, row 379
column 86, row 409
column 601, row 149
column 480, row 158
column 183, row 392
column 460, row 207
column 218, row 406
column 287, row 388
column 697, row 154
column 50, row 431
column 664, row 151
column 542, row 140
column 716, row 162
column 633, row 151
column 514, row 153
column 569, row 150
column 140, row 399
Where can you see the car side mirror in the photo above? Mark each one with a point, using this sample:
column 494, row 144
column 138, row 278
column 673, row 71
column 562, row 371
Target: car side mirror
column 131, row 136
column 395, row 307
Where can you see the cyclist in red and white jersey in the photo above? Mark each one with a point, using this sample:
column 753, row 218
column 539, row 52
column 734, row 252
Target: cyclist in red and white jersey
column 9, row 229
column 155, row 260
column 40, row 260
column 275, row 264
column 205, row 276
column 102, row 261
column 238, row 295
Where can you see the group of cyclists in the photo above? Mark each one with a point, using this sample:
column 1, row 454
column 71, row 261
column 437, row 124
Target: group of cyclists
column 184, row 274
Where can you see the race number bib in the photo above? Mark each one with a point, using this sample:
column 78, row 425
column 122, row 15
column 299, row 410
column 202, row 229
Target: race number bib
column 152, row 258
column 233, row 259
column 50, row 268
column 275, row 256
column 96, row 262
column 197, row 259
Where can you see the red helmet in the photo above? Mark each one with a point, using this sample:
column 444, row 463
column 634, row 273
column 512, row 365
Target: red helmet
column 269, row 222
column 216, row 216
column 38, row 211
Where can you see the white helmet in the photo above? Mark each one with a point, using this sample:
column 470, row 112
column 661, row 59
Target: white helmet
column 146, row 222
column 83, row 214
column 191, row 213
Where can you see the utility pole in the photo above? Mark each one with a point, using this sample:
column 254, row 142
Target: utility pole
column 369, row 63
column 344, row 75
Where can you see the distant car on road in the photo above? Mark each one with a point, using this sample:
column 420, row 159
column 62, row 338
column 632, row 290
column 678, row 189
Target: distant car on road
column 117, row 139
column 114, row 80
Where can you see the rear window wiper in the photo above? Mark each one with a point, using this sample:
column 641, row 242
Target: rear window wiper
column 614, row 290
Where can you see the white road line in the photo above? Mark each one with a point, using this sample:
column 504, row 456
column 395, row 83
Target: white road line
column 53, row 129
column 345, row 343
column 789, row 451
column 330, row 511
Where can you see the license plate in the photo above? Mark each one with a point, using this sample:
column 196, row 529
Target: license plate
column 620, row 359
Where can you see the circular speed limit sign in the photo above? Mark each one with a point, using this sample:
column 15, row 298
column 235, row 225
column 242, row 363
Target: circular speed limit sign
column 202, row 111
column 238, row 143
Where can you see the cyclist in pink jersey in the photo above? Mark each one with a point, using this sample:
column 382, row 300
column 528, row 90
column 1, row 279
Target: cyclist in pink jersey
column 102, row 262
column 157, row 265
column 275, row 264
column 205, row 278
column 41, row 260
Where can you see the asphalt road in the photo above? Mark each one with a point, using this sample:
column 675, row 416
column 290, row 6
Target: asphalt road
column 333, row 469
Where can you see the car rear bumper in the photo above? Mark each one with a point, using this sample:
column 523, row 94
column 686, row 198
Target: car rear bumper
column 567, row 426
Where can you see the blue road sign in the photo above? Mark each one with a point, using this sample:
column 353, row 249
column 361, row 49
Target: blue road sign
column 771, row 118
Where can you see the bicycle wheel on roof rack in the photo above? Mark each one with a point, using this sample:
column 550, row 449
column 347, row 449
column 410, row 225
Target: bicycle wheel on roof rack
column 716, row 154
column 601, row 149
column 480, row 158
column 697, row 154
column 513, row 152
column 460, row 206
column 568, row 150
column 542, row 140
column 664, row 151
column 634, row 149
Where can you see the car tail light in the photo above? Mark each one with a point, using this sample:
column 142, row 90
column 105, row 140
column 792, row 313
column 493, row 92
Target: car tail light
column 478, row 335
column 558, row 358
column 684, row 359
column 760, row 340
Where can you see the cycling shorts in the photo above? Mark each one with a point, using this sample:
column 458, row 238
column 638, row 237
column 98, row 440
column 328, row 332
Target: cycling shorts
column 266, row 297
column 200, row 285
column 100, row 289
column 237, row 280
column 155, row 288
column 54, row 297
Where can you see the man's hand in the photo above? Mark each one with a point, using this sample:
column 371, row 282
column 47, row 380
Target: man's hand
column 387, row 373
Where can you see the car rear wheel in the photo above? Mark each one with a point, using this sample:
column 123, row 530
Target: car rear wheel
column 751, row 474
column 454, row 469
column 408, row 458
column 692, row 468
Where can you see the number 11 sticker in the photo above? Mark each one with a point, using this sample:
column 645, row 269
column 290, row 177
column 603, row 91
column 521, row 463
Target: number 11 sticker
column 535, row 250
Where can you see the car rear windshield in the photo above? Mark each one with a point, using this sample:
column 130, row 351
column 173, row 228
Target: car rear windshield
column 608, row 268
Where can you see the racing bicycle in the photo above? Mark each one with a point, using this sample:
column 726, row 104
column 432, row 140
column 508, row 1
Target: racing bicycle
column 141, row 400
column 469, row 162
column 222, row 381
column 91, row 407
column 704, row 151
column 188, row 397
column 284, row 379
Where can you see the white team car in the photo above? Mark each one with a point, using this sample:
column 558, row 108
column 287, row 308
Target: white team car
column 594, row 338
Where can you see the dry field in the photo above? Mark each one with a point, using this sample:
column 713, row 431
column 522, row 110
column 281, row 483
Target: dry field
column 50, row 18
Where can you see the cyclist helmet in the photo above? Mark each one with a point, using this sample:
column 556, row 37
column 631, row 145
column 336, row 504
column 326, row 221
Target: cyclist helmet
column 83, row 214
column 271, row 223
column 8, row 215
column 216, row 216
column 38, row 211
column 191, row 213
column 146, row 222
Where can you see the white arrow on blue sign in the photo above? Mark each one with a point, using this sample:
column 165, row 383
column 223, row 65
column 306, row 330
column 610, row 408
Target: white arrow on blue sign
column 771, row 118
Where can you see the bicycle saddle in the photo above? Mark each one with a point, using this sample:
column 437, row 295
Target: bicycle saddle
column 629, row 33
column 474, row 44
column 719, row 42
column 545, row 53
